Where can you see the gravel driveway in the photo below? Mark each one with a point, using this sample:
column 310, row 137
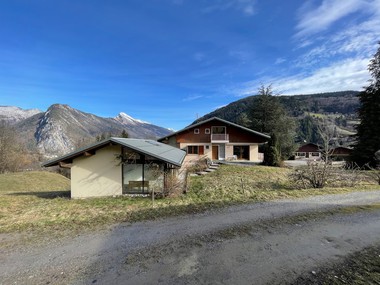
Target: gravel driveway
column 263, row 243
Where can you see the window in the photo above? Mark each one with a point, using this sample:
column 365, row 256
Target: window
column 241, row 151
column 196, row 131
column 139, row 178
column 207, row 131
column 219, row 130
column 195, row 149
column 192, row 149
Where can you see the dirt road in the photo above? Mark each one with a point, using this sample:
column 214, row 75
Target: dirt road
column 266, row 243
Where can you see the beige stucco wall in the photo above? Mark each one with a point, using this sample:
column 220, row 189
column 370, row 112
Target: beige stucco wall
column 253, row 151
column 97, row 175
column 207, row 152
column 229, row 151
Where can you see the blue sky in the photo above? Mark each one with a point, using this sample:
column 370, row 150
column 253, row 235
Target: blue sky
column 169, row 61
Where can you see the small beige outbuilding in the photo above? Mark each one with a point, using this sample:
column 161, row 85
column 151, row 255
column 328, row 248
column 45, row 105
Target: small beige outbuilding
column 119, row 166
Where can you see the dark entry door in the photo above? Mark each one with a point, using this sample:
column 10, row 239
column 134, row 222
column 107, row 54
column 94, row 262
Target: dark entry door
column 215, row 152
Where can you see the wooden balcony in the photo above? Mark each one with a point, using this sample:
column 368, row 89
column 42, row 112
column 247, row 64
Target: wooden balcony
column 220, row 138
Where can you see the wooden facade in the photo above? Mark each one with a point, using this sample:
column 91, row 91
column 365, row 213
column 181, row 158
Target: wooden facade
column 218, row 139
column 313, row 151
column 308, row 151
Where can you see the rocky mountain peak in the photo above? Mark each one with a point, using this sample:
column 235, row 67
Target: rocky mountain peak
column 125, row 118
column 13, row 115
column 62, row 128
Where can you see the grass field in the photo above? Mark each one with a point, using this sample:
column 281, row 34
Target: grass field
column 39, row 201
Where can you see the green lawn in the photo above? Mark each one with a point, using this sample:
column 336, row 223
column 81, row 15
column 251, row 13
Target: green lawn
column 39, row 201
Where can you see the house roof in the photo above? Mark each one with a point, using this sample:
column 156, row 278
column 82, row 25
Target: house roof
column 152, row 148
column 308, row 147
column 217, row 119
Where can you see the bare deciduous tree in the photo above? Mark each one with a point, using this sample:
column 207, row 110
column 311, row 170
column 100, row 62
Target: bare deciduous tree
column 317, row 173
column 12, row 154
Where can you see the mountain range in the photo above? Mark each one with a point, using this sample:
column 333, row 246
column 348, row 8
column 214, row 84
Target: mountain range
column 337, row 109
column 343, row 102
column 62, row 128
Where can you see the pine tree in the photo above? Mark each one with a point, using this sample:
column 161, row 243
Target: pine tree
column 272, row 157
column 308, row 130
column 368, row 131
column 267, row 115
column 124, row 134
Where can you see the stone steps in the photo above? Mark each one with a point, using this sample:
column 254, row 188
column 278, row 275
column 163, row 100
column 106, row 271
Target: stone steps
column 213, row 167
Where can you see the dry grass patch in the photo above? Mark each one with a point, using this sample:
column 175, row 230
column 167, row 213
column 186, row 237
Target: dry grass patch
column 258, row 183
column 38, row 202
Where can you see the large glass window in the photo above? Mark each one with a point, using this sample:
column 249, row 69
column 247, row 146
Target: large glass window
column 133, row 179
column 141, row 174
column 241, row 151
column 143, row 178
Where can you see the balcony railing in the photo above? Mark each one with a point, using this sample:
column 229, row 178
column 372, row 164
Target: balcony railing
column 220, row 138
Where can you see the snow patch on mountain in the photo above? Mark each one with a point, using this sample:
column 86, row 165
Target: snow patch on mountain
column 125, row 118
column 13, row 115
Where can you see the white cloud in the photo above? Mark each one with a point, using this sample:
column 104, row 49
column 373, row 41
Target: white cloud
column 354, row 40
column 333, row 61
column 350, row 74
column 280, row 60
column 313, row 20
column 247, row 7
column 249, row 10
column 221, row 106
column 192, row 98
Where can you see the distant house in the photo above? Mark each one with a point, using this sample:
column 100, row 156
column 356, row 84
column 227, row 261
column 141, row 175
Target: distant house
column 218, row 139
column 117, row 166
column 308, row 151
column 341, row 153
column 313, row 151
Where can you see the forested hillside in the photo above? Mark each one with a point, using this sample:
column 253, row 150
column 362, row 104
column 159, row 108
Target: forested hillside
column 337, row 109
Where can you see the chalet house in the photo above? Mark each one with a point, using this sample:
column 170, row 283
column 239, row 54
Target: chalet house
column 313, row 151
column 117, row 166
column 218, row 139
column 341, row 153
column 308, row 151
